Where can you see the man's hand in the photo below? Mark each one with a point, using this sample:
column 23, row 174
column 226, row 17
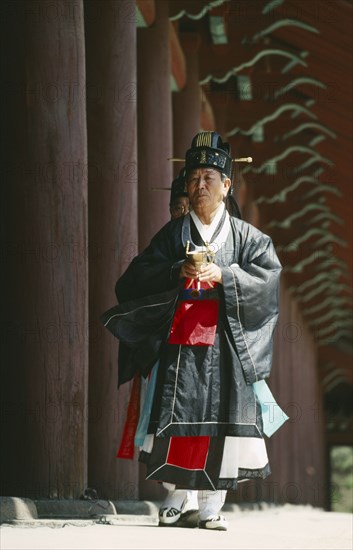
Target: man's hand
column 209, row 273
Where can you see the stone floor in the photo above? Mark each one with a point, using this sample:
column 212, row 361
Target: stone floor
column 285, row 527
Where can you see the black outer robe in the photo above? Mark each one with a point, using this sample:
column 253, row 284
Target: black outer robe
column 201, row 390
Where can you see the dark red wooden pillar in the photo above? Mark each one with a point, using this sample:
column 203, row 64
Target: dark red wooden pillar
column 154, row 145
column 112, row 154
column 154, row 124
column 44, row 336
column 186, row 102
column 296, row 450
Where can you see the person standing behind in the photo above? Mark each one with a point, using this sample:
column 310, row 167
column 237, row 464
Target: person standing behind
column 179, row 200
column 180, row 506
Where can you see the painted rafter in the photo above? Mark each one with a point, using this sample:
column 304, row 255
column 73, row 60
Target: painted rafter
column 200, row 14
column 333, row 276
column 271, row 86
column 292, row 107
column 334, row 287
column 329, row 302
column 251, row 63
column 299, row 81
column 272, row 5
column 322, row 188
column 321, row 257
column 285, row 22
column 345, row 325
column 287, row 222
column 266, row 166
column 326, row 218
column 338, row 375
column 328, row 237
column 314, row 158
column 308, row 126
column 335, row 314
column 282, row 195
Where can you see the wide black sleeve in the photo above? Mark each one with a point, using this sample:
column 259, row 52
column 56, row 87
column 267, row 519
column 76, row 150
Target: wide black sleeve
column 147, row 294
column 141, row 325
column 251, row 293
column 156, row 269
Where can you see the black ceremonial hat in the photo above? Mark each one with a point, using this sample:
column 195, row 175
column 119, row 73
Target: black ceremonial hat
column 178, row 186
column 209, row 151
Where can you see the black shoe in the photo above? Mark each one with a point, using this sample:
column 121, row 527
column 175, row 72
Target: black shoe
column 189, row 519
column 169, row 516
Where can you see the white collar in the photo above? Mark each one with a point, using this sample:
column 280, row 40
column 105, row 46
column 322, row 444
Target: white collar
column 206, row 231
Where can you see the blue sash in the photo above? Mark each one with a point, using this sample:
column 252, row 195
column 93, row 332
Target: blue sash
column 272, row 415
column 142, row 426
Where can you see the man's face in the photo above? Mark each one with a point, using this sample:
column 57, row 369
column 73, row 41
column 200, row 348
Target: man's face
column 206, row 189
column 179, row 207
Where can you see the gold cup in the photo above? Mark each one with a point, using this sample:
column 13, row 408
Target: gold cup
column 199, row 258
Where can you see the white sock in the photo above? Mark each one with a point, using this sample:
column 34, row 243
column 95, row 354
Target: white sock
column 168, row 486
column 191, row 501
column 175, row 498
column 210, row 503
column 180, row 498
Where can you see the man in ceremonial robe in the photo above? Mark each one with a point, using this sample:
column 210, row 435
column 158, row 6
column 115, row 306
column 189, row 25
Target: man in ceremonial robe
column 207, row 331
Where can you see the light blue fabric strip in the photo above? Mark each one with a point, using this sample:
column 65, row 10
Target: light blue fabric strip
column 142, row 426
column 272, row 415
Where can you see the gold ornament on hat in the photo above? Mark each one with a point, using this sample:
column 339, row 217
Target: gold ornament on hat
column 203, row 157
